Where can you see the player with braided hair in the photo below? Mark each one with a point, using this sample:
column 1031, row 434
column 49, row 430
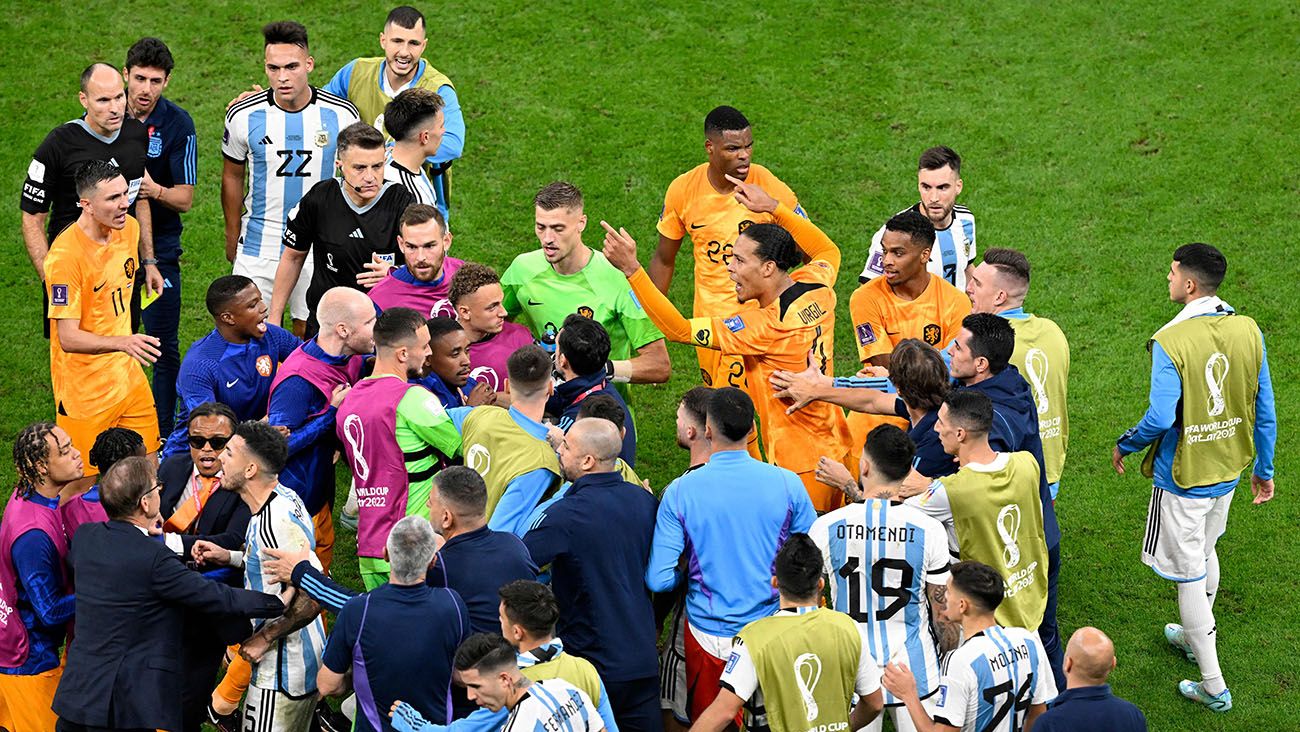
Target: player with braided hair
column 112, row 445
column 35, row 605
column 795, row 316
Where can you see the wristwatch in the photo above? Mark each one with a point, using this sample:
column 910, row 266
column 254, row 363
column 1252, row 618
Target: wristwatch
column 148, row 261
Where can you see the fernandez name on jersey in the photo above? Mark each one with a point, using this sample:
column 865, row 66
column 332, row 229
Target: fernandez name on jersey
column 342, row 236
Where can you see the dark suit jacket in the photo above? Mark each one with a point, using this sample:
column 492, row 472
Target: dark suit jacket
column 123, row 667
column 225, row 516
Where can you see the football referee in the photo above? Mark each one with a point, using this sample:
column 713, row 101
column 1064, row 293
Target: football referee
column 343, row 223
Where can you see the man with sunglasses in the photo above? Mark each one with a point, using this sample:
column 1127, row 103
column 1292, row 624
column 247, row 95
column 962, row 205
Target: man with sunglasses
column 193, row 508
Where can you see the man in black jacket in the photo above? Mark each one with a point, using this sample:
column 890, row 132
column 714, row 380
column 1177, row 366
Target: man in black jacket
column 122, row 669
column 195, row 508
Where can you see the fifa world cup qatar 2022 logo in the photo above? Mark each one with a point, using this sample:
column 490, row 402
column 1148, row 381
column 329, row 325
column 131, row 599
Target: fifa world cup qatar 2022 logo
column 1008, row 524
column 356, row 437
column 807, row 672
column 1036, row 368
column 1216, row 370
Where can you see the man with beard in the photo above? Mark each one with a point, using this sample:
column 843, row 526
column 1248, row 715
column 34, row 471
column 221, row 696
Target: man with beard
column 938, row 179
column 421, row 284
column 396, row 436
column 171, row 171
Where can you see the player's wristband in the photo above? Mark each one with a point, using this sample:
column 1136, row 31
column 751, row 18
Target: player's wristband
column 619, row 372
column 148, row 261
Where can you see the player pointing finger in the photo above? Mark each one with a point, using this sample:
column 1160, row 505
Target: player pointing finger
column 752, row 197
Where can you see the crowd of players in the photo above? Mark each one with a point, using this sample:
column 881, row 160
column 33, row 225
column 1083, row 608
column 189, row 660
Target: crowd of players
column 487, row 427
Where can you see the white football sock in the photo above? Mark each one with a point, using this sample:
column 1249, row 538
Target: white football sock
column 1212, row 577
column 1198, row 625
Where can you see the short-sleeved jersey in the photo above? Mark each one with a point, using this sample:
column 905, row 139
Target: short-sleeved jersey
column 953, row 250
column 992, row 679
column 417, row 183
column 879, row 557
column 342, row 236
column 51, row 175
column 881, row 319
column 286, row 154
column 554, row 705
column 238, row 375
column 779, row 337
column 172, row 160
column 92, row 283
column 539, row 298
column 283, row 523
column 714, row 220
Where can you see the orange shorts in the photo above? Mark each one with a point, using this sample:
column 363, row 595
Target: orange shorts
column 136, row 412
column 323, row 522
column 25, row 701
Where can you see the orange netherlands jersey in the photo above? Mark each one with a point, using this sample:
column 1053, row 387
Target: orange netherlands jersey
column 881, row 319
column 92, row 283
column 714, row 220
column 779, row 337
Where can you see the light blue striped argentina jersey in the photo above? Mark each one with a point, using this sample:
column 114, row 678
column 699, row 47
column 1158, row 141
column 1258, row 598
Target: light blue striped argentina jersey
column 285, row 154
column 283, row 523
column 879, row 557
column 992, row 679
column 554, row 705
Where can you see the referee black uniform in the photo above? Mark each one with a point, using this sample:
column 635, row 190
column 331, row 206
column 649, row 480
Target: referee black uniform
column 51, row 185
column 342, row 237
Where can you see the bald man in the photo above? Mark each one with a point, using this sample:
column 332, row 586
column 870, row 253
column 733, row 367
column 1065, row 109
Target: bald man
column 1087, row 704
column 306, row 393
column 605, row 617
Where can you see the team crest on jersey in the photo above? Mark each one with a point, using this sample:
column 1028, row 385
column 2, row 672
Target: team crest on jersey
column 155, row 144
column 129, row 268
column 322, row 137
column 586, row 312
column 264, row 365
column 734, row 324
column 931, row 334
column 866, row 335
column 744, row 225
column 58, row 294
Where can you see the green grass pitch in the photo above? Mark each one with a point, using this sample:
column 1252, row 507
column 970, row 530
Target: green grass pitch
column 1096, row 137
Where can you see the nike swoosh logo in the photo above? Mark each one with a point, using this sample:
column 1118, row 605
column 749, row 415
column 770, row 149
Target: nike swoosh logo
column 531, row 301
column 231, row 383
column 101, row 286
column 698, row 226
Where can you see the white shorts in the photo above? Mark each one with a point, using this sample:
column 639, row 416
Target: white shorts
column 672, row 667
column 1181, row 533
column 262, row 271
column 267, row 710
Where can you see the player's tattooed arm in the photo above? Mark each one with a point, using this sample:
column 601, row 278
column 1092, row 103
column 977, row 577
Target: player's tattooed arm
column 949, row 633
column 300, row 611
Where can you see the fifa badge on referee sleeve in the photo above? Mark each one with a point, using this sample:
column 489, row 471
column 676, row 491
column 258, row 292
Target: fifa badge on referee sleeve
column 58, row 294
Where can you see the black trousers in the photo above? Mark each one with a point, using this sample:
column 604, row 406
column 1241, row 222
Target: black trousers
column 636, row 704
column 65, row 726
